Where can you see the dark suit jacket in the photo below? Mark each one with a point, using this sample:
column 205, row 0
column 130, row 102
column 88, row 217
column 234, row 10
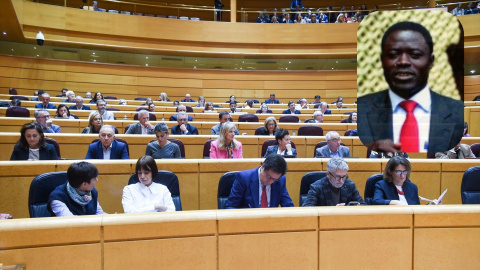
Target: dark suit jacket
column 84, row 107
column 185, row 100
column 49, row 106
column 119, row 151
column 446, row 121
column 245, row 192
column 47, row 153
column 273, row 149
column 385, row 192
column 276, row 101
column 287, row 111
column 320, row 193
column 191, row 130
column 327, row 111
column 175, row 117
column 294, row 3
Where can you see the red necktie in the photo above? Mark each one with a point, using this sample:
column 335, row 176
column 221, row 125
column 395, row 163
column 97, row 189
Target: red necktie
column 409, row 131
column 264, row 203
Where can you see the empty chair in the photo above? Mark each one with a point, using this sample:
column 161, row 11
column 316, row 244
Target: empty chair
column 289, row 119
column 119, row 140
column 206, row 149
column 370, row 187
column 40, row 190
column 17, row 111
column 267, row 143
column 151, row 117
column 310, row 131
column 149, row 15
column 140, row 98
column 55, row 144
column 12, row 91
column 138, row 13
column 254, row 101
column 168, row 179
column 477, row 98
column 109, row 97
column 310, row 120
column 248, row 118
column 475, row 149
column 470, row 189
column 19, row 98
column 224, row 187
column 159, row 15
column 308, row 179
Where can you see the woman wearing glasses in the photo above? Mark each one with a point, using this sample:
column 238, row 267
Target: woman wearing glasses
column 396, row 187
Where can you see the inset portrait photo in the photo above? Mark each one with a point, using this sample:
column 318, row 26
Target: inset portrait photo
column 410, row 81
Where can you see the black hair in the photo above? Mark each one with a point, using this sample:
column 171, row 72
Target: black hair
column 276, row 164
column 290, row 102
column 392, row 164
column 61, row 106
column 221, row 114
column 81, row 172
column 405, row 26
column 15, row 102
column 280, row 134
column 22, row 142
column 147, row 163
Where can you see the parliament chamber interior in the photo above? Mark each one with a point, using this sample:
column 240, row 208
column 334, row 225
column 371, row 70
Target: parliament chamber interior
column 142, row 56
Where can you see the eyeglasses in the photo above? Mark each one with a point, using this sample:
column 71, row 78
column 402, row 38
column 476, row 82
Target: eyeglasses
column 339, row 178
column 270, row 177
column 401, row 172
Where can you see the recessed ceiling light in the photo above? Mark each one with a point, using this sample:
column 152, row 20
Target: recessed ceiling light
column 146, row 57
column 4, row 33
column 38, row 55
column 12, row 50
column 34, row 48
column 336, row 62
column 332, row 68
column 472, row 71
column 146, row 65
column 93, row 53
column 94, row 60
column 196, row 60
column 194, row 67
column 289, row 62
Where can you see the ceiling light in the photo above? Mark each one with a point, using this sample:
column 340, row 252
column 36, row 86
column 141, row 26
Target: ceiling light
column 146, row 65
column 34, row 48
column 146, row 57
column 93, row 53
column 472, row 71
column 4, row 33
column 94, row 60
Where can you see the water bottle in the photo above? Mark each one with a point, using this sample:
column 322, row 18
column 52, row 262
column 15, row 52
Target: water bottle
column 293, row 133
column 125, row 117
column 163, row 118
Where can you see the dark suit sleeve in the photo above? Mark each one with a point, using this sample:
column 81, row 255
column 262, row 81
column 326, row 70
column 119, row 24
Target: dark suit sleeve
column 379, row 196
column 194, row 131
column 356, row 195
column 312, row 197
column 124, row 152
column 285, row 200
column 16, row 153
column 318, row 154
column 90, row 152
column 51, row 152
column 237, row 193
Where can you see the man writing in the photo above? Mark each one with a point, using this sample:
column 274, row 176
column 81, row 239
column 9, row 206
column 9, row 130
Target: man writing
column 262, row 187
column 143, row 126
column 78, row 195
column 409, row 116
column 107, row 147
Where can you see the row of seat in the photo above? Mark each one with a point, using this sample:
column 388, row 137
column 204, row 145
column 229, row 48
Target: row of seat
column 44, row 184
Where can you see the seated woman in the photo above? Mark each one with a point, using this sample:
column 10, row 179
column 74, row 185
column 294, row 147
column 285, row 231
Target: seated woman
column 95, row 122
column 162, row 147
column 146, row 195
column 209, row 107
column 98, row 96
column 163, row 97
column 269, row 127
column 352, row 118
column 396, row 187
column 263, row 109
column 32, row 145
column 231, row 100
column 226, row 146
column 63, row 112
column 284, row 146
column 201, row 102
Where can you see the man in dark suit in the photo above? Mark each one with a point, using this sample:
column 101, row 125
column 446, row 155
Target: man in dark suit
column 291, row 109
column 107, row 147
column 79, row 104
column 188, row 99
column 409, row 116
column 295, row 3
column 272, row 100
column 45, row 99
column 183, row 127
column 334, row 189
column 324, row 108
column 180, row 108
column 261, row 187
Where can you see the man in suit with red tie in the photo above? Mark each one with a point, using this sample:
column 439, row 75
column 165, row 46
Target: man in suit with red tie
column 261, row 187
column 409, row 116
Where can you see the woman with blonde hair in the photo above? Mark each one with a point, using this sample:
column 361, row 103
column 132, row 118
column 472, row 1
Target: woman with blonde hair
column 270, row 126
column 95, row 122
column 163, row 97
column 226, row 146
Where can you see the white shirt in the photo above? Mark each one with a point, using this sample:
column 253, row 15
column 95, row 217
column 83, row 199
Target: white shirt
column 260, row 189
column 403, row 200
column 144, row 130
column 422, row 113
column 107, row 151
column 138, row 198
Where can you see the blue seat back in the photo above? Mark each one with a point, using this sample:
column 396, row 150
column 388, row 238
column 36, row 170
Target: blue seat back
column 224, row 187
column 370, row 187
column 40, row 190
column 308, row 179
column 470, row 189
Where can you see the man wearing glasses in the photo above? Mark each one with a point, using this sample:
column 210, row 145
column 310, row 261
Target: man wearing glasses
column 334, row 189
column 261, row 187
column 43, row 119
column 107, row 147
column 333, row 147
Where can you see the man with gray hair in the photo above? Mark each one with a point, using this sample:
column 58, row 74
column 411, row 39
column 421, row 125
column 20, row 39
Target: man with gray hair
column 88, row 95
column 43, row 119
column 324, row 108
column 334, row 189
column 79, row 104
column 45, row 99
column 70, row 97
column 333, row 147
column 143, row 126
column 183, row 127
column 317, row 117
column 107, row 147
column 180, row 108
column 102, row 110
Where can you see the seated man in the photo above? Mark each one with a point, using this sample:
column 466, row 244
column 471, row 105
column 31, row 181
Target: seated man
column 333, row 147
column 233, row 108
column 43, row 119
column 283, row 146
column 79, row 104
column 70, row 97
column 317, row 117
column 291, row 109
column 303, row 104
column 143, row 126
column 183, row 127
column 272, row 100
column 45, row 99
column 188, row 99
column 78, row 195
column 64, row 92
column 334, row 189
column 339, row 105
column 460, row 151
column 224, row 117
column 324, row 108
column 102, row 109
column 180, row 108
column 39, row 94
column 88, row 95
column 317, row 100
column 107, row 147
column 263, row 187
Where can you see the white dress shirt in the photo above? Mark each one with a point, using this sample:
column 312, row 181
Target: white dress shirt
column 107, row 151
column 422, row 113
column 260, row 189
column 138, row 198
